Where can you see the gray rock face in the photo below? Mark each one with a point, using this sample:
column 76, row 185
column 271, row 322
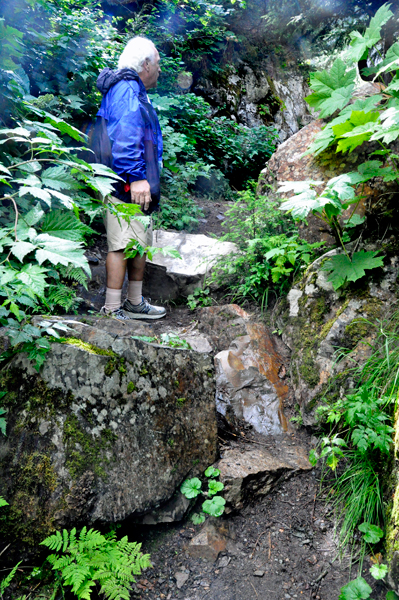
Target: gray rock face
column 246, row 93
column 316, row 321
column 109, row 428
column 249, row 373
column 254, row 472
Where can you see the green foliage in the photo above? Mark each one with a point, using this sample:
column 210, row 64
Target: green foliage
column 191, row 488
column 364, row 419
column 337, row 196
column 199, row 297
column 372, row 533
column 267, row 259
column 219, row 141
column 4, row 583
column 379, row 571
column 42, row 235
column 358, row 589
column 214, row 505
column 90, row 558
column 133, row 249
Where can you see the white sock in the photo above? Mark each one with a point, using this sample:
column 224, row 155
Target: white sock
column 134, row 292
column 113, row 299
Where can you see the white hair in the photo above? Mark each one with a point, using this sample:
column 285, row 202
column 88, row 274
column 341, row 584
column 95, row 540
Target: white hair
column 136, row 52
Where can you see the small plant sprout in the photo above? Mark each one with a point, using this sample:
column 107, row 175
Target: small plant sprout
column 214, row 504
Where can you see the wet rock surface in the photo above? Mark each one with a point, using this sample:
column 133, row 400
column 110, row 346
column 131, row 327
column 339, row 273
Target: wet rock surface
column 114, row 425
column 250, row 369
column 317, row 321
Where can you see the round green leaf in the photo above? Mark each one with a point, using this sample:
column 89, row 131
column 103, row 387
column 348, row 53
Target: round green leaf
column 198, row 518
column 379, row 571
column 372, row 533
column 214, row 507
column 214, row 487
column 212, row 472
column 191, row 487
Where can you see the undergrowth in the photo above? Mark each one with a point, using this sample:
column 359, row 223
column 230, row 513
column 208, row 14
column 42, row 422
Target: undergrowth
column 358, row 443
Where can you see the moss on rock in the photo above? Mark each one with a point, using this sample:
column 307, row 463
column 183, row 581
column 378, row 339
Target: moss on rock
column 83, row 450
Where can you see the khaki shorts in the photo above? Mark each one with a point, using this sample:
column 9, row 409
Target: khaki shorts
column 119, row 233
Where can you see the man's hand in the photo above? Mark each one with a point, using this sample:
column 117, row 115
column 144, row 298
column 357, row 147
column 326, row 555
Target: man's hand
column 140, row 193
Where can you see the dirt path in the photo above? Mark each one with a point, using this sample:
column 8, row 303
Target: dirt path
column 279, row 548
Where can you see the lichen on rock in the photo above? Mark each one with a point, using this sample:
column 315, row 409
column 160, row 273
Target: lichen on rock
column 102, row 433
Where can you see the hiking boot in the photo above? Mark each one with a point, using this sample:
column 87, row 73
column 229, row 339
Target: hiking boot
column 114, row 314
column 144, row 310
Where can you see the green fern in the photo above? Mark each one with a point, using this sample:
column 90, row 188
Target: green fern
column 90, row 558
column 61, row 295
column 73, row 274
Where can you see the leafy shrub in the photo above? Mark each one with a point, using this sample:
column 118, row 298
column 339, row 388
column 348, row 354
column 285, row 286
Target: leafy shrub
column 266, row 261
column 44, row 188
column 238, row 151
column 371, row 119
column 90, row 558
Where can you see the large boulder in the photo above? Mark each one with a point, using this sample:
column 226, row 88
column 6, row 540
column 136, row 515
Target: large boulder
column 289, row 163
column 107, row 429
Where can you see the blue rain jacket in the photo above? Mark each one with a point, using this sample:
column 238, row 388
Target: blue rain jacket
column 128, row 119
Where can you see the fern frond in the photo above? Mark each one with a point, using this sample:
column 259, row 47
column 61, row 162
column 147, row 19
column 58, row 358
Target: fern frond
column 53, row 542
column 61, row 295
column 7, row 580
column 73, row 274
column 91, row 556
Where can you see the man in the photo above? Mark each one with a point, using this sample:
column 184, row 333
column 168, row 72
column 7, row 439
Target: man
column 133, row 136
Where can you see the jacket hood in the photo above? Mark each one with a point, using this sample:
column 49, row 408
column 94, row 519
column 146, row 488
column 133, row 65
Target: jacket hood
column 109, row 78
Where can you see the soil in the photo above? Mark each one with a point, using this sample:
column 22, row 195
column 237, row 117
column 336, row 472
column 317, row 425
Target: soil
column 281, row 547
column 214, row 216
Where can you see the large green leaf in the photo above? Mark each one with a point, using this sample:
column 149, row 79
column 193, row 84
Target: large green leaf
column 34, row 215
column 362, row 43
column 342, row 269
column 58, row 178
column 360, row 126
column 379, row 571
column 37, row 193
column 391, row 60
column 325, row 82
column 65, row 225
column 59, row 124
column 34, row 277
column 21, row 249
column 60, row 251
column 358, row 589
column 372, row 533
column 308, row 201
column 214, row 507
column 338, row 99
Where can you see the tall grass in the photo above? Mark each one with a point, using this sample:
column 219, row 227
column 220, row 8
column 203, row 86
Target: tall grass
column 356, row 493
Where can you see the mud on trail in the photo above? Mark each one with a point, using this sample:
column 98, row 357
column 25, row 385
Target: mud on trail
column 278, row 548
